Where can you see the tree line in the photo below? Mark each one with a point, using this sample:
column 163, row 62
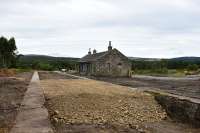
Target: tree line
column 47, row 62
column 8, row 52
column 9, row 58
column 164, row 64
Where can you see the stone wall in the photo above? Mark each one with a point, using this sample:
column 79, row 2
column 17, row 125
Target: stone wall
column 114, row 64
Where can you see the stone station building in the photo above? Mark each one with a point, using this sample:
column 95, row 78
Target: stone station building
column 108, row 63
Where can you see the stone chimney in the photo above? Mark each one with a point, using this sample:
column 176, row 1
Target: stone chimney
column 94, row 51
column 110, row 46
column 89, row 53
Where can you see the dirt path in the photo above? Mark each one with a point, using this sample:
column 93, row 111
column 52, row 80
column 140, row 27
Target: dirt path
column 12, row 91
column 33, row 116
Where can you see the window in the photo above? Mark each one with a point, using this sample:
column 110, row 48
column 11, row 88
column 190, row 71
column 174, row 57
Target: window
column 119, row 64
column 98, row 67
column 120, row 67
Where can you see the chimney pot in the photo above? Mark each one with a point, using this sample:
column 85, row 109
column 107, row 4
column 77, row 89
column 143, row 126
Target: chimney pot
column 89, row 53
column 110, row 46
column 94, row 51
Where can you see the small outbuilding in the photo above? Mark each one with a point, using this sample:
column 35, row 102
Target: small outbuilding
column 108, row 63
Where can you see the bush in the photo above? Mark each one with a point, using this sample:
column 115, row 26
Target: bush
column 192, row 67
column 45, row 66
column 22, row 70
column 161, row 71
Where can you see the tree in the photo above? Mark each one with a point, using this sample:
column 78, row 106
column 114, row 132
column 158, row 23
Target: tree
column 12, row 52
column 8, row 52
column 3, row 43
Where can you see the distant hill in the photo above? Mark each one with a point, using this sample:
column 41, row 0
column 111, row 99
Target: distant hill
column 144, row 59
column 33, row 57
column 45, row 58
column 43, row 62
column 186, row 59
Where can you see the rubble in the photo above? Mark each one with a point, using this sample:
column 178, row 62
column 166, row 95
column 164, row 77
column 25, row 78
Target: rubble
column 92, row 102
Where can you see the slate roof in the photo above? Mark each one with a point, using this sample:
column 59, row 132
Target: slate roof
column 93, row 57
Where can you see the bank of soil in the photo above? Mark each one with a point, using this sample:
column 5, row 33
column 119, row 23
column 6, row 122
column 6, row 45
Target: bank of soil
column 12, row 90
column 180, row 109
column 184, row 87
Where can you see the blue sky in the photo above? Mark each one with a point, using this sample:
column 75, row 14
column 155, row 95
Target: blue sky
column 140, row 28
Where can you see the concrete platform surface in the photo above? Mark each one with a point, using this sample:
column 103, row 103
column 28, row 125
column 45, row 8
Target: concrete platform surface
column 33, row 116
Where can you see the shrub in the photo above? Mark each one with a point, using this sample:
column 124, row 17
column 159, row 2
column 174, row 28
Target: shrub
column 45, row 66
column 192, row 67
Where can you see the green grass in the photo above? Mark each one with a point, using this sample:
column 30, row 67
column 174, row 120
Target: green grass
column 23, row 70
column 165, row 72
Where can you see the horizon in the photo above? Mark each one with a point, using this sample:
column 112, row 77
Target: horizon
column 127, row 56
column 140, row 28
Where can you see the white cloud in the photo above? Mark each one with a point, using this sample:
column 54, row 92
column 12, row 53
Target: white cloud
column 146, row 28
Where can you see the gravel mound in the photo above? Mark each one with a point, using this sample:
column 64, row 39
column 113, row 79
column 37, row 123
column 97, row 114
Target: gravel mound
column 90, row 102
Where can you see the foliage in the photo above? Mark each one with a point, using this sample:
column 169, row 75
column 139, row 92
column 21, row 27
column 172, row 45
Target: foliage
column 164, row 63
column 192, row 67
column 46, row 62
column 174, row 67
column 22, row 70
column 8, row 52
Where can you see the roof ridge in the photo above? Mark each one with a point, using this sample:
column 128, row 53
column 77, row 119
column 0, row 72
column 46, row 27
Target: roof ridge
column 103, row 54
column 93, row 57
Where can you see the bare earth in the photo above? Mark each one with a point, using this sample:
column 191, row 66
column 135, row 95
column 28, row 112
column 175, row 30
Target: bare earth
column 189, row 87
column 89, row 106
column 77, row 105
column 12, row 90
column 52, row 75
column 93, row 106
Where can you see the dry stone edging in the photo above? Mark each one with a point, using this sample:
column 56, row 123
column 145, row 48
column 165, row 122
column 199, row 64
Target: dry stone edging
column 33, row 116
